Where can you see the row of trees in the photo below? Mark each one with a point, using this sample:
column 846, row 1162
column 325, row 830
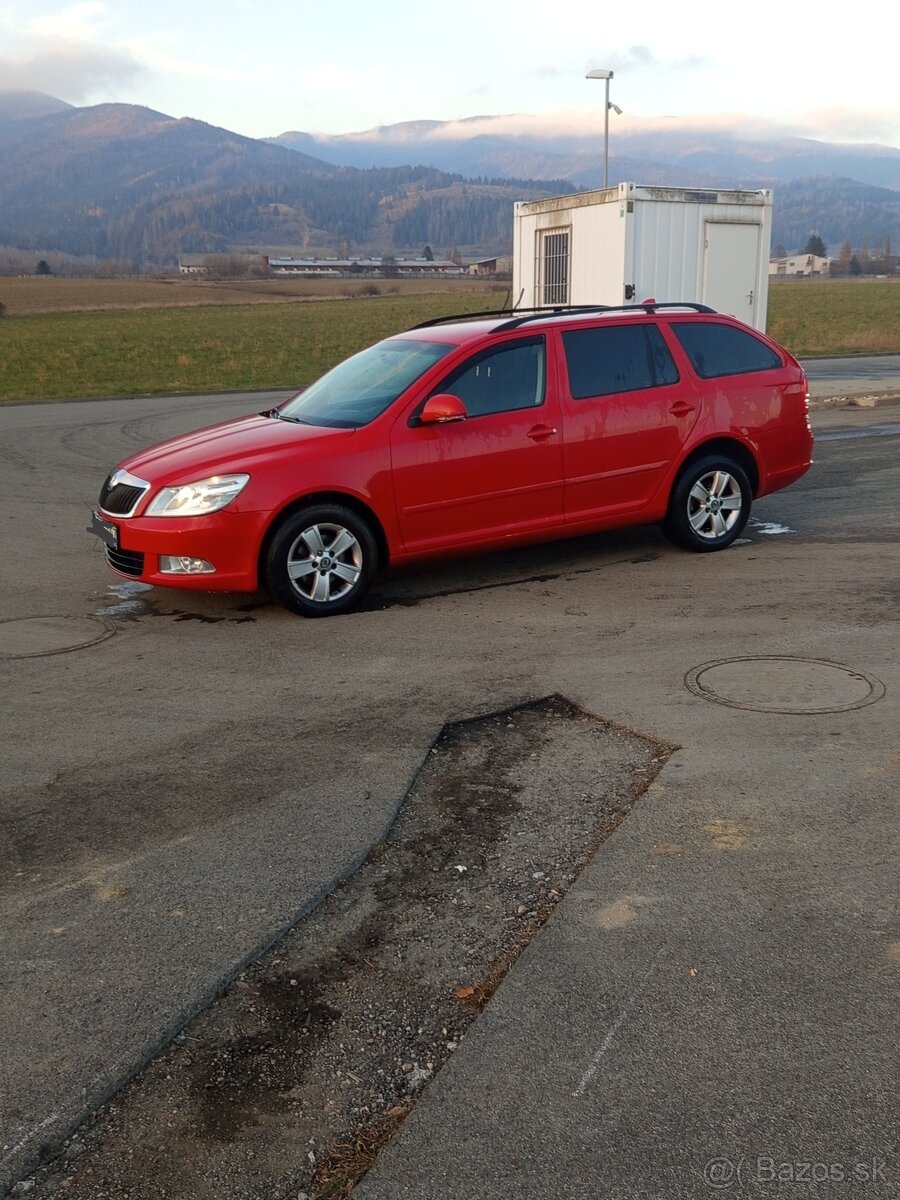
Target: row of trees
column 847, row 261
column 865, row 262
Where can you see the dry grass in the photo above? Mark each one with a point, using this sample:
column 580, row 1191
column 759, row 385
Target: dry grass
column 348, row 1161
column 45, row 294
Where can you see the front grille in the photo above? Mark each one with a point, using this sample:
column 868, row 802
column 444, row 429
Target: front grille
column 120, row 499
column 126, row 562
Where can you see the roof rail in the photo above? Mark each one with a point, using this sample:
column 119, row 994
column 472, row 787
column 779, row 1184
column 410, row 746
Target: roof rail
column 506, row 312
column 522, row 316
column 653, row 305
column 648, row 306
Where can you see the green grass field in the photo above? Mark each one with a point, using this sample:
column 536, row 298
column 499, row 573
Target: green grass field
column 836, row 316
column 217, row 346
column 202, row 349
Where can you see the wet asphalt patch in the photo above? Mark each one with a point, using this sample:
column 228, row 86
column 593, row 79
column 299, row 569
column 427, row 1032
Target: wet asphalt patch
column 131, row 600
column 292, row 1081
column 379, row 603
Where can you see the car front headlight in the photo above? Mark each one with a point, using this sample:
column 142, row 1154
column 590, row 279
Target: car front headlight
column 197, row 499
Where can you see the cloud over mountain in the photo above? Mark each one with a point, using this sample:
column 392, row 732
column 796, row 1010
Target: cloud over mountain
column 71, row 68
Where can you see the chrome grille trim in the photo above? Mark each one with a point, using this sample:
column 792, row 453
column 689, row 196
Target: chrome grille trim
column 122, row 493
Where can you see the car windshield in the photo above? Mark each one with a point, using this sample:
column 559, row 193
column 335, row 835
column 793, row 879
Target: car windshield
column 360, row 389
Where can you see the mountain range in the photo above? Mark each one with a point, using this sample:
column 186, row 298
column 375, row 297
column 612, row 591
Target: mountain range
column 522, row 147
column 123, row 182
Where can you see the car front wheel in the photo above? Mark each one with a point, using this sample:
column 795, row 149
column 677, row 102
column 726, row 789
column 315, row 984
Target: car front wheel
column 321, row 560
column 710, row 504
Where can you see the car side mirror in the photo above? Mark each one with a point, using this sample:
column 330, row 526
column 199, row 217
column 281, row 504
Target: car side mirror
column 442, row 409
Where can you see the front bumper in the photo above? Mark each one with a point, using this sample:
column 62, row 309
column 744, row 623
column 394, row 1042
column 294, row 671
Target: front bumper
column 229, row 541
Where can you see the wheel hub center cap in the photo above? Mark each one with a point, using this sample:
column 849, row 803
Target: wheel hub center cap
column 325, row 562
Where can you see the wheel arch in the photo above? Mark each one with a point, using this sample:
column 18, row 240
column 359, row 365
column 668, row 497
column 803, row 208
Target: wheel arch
column 730, row 447
column 342, row 498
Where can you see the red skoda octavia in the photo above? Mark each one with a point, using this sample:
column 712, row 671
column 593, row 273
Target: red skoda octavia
column 469, row 434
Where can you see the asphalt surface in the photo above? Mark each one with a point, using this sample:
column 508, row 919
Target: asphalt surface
column 851, row 376
column 722, row 980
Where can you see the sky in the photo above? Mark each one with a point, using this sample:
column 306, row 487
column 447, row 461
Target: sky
column 262, row 67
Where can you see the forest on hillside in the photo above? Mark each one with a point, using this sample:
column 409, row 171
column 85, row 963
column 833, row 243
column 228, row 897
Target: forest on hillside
column 85, row 210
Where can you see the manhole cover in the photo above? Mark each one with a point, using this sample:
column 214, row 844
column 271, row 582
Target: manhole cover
column 32, row 637
column 783, row 684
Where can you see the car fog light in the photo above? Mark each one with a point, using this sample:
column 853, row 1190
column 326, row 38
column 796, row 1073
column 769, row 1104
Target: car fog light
column 169, row 565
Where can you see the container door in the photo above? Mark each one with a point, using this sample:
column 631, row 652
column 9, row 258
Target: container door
column 730, row 268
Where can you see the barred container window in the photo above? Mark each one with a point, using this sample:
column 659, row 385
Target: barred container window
column 553, row 266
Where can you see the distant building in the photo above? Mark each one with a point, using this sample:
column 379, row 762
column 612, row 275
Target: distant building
column 199, row 264
column 309, row 266
column 193, row 264
column 800, row 264
column 426, row 266
column 328, row 268
column 339, row 267
column 502, row 265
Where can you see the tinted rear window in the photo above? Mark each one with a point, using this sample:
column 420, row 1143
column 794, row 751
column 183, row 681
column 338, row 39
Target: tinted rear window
column 716, row 350
column 617, row 358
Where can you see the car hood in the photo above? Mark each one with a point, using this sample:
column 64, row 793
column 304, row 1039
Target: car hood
column 231, row 446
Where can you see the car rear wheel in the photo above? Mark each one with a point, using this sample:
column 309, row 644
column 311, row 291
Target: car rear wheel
column 321, row 560
column 710, row 504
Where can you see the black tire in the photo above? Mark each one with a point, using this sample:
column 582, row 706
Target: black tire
column 321, row 560
column 709, row 505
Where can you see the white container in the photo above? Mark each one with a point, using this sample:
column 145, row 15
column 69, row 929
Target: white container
column 625, row 244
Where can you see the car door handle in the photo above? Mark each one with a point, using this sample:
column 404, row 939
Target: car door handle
column 681, row 408
column 538, row 433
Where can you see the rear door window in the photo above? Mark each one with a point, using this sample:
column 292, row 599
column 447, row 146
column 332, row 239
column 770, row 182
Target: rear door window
column 616, row 358
column 716, row 350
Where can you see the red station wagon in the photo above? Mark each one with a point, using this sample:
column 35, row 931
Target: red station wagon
column 470, row 433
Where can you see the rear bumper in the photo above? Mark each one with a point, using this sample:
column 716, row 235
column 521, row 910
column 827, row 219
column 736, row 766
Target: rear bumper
column 776, row 480
column 786, row 454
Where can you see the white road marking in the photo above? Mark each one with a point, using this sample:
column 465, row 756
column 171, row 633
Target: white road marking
column 769, row 527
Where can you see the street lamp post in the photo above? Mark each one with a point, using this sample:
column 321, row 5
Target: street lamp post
column 606, row 76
